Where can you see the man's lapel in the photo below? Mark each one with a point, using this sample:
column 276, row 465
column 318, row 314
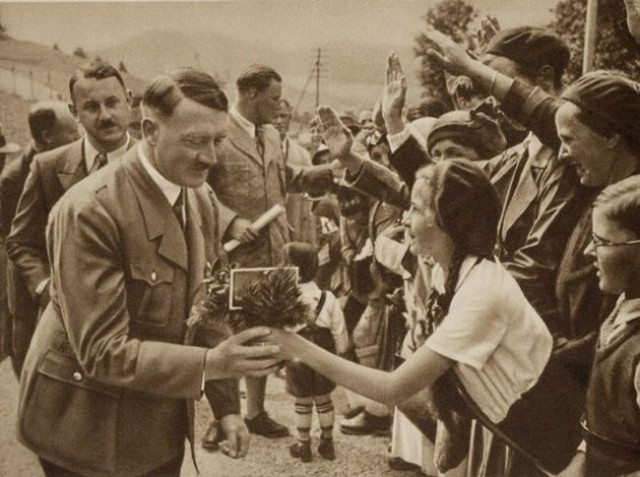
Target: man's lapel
column 70, row 168
column 241, row 140
column 159, row 220
column 525, row 191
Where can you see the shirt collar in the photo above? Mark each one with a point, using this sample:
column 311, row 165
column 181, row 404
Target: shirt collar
column 243, row 122
column 170, row 190
column 628, row 311
column 438, row 274
column 91, row 152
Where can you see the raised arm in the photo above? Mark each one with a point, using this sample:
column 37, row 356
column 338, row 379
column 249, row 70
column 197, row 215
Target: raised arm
column 524, row 103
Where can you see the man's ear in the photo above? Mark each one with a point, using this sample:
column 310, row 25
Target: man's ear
column 73, row 110
column 150, row 131
column 614, row 141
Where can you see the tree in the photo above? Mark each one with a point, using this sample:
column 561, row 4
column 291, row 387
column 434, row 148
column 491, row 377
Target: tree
column 80, row 53
column 452, row 17
column 615, row 48
column 3, row 31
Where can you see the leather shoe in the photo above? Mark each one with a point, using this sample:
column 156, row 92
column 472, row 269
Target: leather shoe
column 326, row 449
column 264, row 426
column 213, row 437
column 301, row 450
column 352, row 412
column 366, row 424
column 398, row 463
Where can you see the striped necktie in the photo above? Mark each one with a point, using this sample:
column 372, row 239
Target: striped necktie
column 260, row 140
column 98, row 162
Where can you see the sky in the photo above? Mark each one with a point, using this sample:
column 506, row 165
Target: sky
column 295, row 23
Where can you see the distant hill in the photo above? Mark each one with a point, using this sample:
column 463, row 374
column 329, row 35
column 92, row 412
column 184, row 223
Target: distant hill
column 48, row 66
column 351, row 78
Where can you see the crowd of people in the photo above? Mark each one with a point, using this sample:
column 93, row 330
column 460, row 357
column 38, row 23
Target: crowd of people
column 470, row 270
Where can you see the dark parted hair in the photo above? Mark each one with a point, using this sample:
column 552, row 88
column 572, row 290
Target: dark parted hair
column 532, row 48
column 285, row 103
column 96, row 70
column 304, row 256
column 42, row 117
column 165, row 92
column 256, row 77
column 620, row 203
column 467, row 208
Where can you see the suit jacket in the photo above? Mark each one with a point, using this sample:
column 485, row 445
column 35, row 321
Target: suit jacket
column 538, row 215
column 23, row 310
column 298, row 207
column 51, row 174
column 108, row 379
column 250, row 185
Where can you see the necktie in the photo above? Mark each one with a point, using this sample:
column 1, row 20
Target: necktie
column 178, row 209
column 99, row 162
column 260, row 140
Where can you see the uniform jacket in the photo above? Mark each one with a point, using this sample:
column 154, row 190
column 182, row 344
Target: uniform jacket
column 250, row 185
column 108, row 381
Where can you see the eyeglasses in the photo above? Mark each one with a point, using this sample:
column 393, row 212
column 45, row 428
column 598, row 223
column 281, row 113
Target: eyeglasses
column 600, row 242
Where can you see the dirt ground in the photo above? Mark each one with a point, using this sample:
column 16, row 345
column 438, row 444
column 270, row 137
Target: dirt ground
column 356, row 455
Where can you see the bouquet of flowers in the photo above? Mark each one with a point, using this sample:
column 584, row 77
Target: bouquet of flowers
column 271, row 298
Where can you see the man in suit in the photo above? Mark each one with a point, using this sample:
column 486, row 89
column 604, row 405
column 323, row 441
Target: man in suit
column 51, row 125
column 109, row 381
column 250, row 178
column 5, row 329
column 100, row 104
column 299, row 214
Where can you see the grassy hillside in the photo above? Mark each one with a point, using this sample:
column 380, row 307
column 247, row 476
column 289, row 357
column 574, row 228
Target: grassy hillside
column 48, row 66
column 13, row 117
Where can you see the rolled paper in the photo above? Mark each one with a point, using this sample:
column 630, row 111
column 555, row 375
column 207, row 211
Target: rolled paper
column 261, row 222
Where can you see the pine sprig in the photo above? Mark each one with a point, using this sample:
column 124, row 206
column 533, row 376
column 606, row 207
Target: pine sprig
column 274, row 300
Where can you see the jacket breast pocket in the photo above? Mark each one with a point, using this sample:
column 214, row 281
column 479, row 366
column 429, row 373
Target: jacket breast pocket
column 151, row 292
column 70, row 417
column 236, row 181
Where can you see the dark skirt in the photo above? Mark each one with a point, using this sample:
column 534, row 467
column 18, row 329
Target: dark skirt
column 302, row 381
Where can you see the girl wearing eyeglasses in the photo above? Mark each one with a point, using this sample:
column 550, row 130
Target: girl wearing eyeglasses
column 611, row 424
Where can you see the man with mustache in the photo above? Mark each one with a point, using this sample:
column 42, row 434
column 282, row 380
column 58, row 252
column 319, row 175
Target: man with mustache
column 100, row 103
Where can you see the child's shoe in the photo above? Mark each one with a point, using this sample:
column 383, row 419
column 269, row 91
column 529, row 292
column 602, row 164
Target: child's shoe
column 301, row 450
column 326, row 449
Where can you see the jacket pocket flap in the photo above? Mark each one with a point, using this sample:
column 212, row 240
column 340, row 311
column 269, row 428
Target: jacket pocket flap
column 66, row 369
column 152, row 273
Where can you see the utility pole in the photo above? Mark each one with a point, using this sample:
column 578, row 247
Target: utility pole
column 317, row 68
column 590, row 34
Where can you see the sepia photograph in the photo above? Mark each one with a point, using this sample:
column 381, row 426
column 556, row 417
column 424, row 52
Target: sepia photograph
column 320, row 237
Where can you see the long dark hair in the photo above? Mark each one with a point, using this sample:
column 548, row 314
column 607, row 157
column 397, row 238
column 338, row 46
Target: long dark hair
column 467, row 208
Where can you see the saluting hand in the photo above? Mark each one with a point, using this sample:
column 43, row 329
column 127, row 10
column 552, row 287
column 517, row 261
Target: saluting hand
column 393, row 94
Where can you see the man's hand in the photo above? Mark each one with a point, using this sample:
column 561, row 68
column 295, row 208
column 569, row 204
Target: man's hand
column 233, row 358
column 489, row 28
column 452, row 57
column 336, row 135
column 393, row 95
column 240, row 229
column 236, row 441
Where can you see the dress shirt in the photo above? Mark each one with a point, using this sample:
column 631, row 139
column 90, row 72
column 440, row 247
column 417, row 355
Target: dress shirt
column 91, row 152
column 247, row 125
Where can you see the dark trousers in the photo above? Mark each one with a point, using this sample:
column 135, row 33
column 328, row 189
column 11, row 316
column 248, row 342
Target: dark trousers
column 169, row 469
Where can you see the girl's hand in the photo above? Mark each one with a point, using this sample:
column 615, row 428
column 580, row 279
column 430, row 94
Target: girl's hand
column 286, row 341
